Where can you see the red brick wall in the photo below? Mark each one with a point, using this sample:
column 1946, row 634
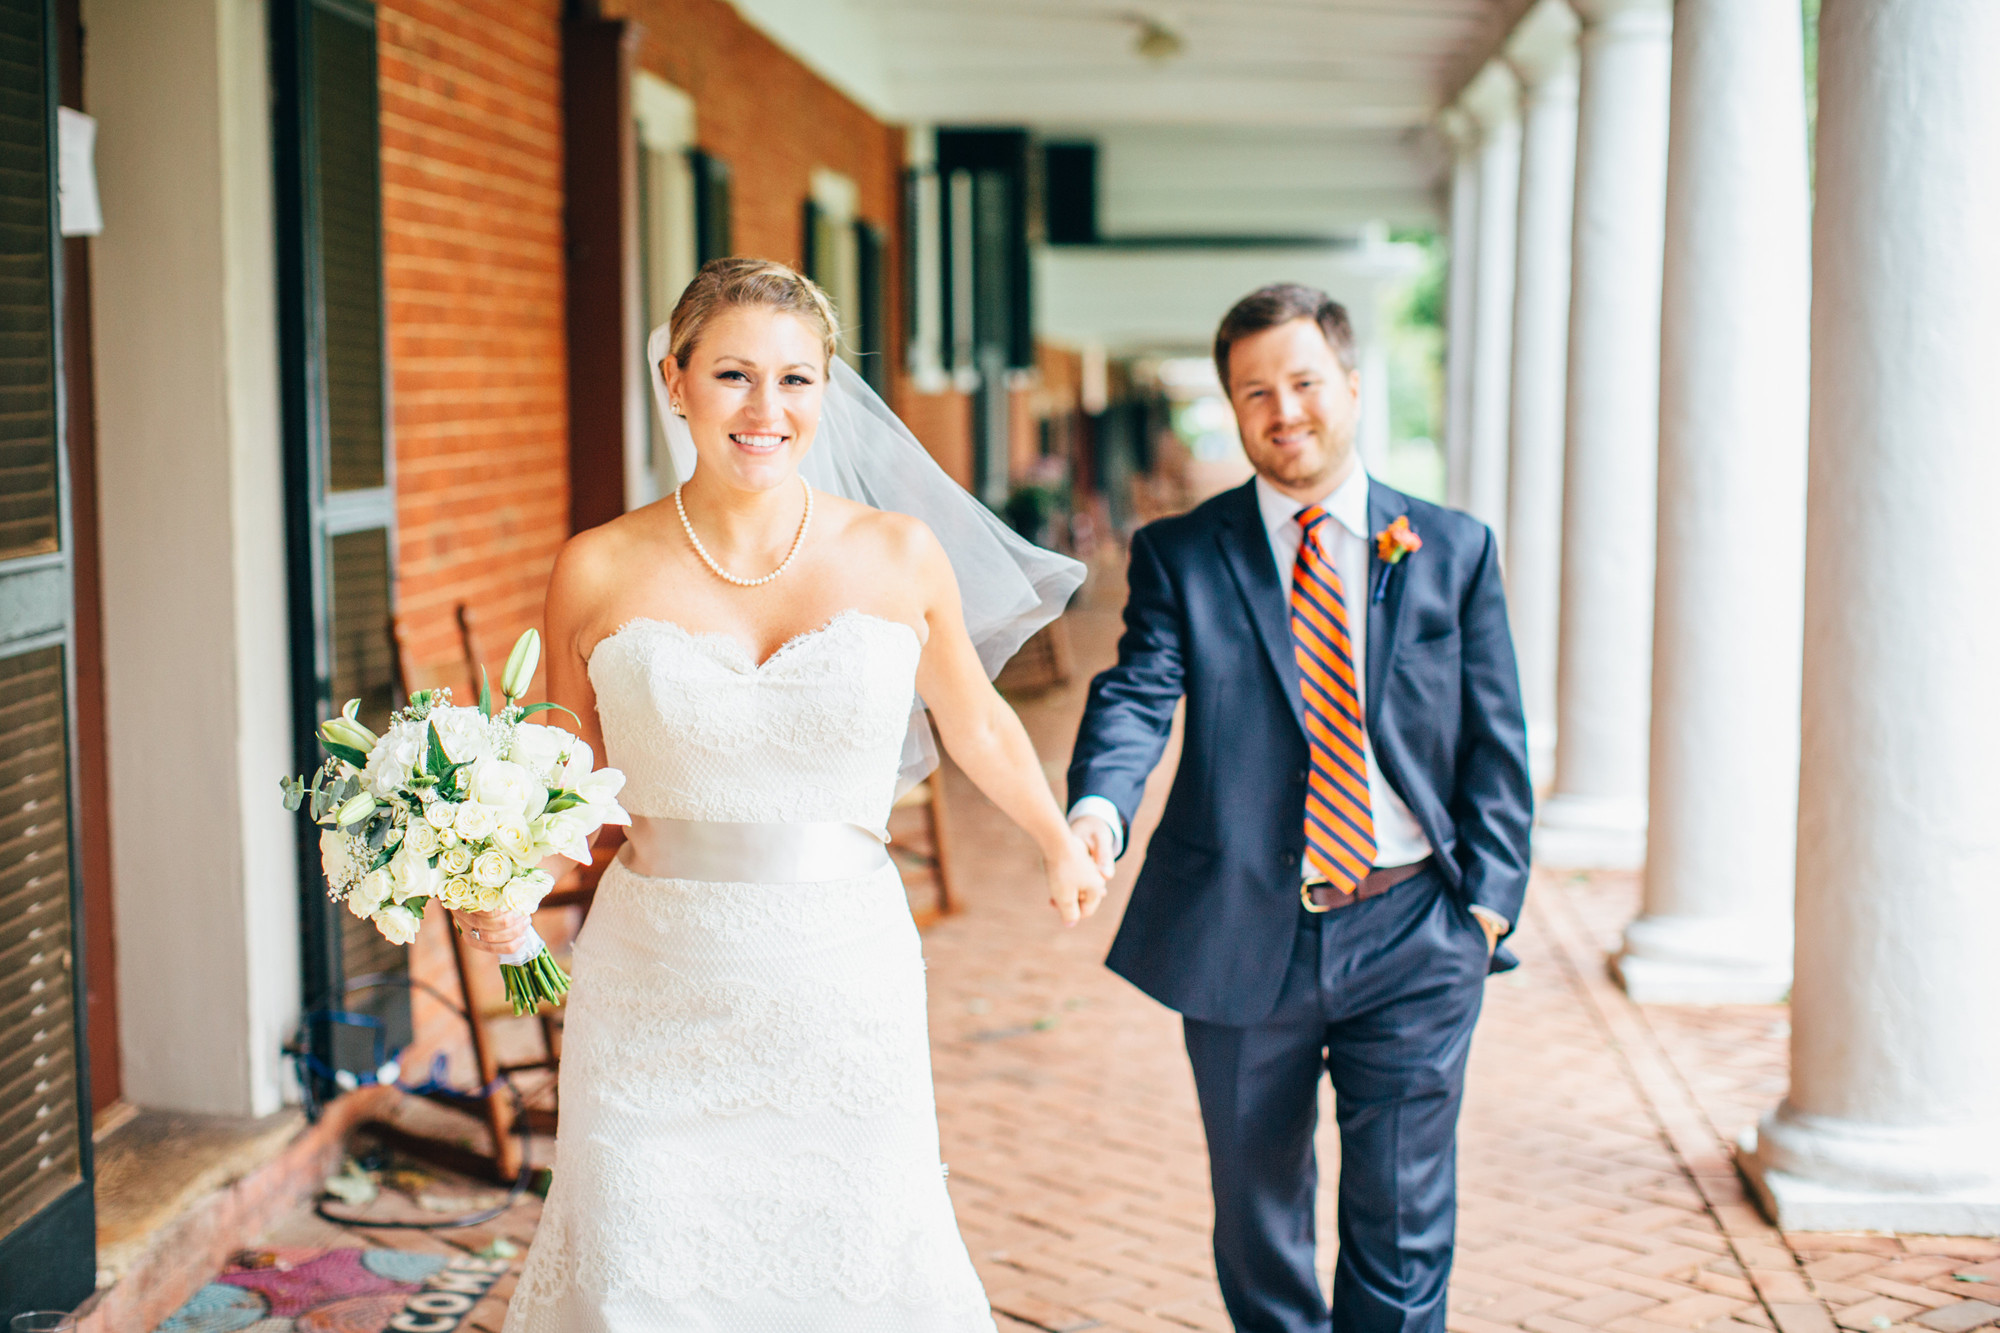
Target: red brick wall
column 473, row 238
column 471, row 99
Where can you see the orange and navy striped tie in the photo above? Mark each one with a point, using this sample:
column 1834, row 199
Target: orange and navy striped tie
column 1340, row 822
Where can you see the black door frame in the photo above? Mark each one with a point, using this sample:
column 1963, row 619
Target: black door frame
column 314, row 515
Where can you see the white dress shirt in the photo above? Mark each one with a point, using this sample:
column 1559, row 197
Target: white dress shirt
column 1399, row 839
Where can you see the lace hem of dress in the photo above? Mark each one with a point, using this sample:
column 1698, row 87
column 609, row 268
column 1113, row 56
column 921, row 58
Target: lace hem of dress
column 868, row 1230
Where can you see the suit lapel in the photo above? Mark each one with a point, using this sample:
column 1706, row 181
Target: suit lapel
column 1246, row 549
column 1384, row 505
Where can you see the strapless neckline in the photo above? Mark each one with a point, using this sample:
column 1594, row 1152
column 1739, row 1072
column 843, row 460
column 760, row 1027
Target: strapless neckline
column 736, row 653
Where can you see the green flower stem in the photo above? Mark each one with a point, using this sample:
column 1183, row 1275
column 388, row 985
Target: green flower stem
column 533, row 983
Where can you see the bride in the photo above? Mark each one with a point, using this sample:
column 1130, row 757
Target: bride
column 748, row 1136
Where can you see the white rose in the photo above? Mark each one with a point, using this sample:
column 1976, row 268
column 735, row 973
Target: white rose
column 413, row 877
column 441, row 814
column 421, row 839
column 511, row 836
column 474, row 821
column 399, row 925
column 448, row 839
column 372, row 890
column 507, row 785
column 456, row 860
column 460, row 895
column 525, row 891
column 541, row 749
column 464, row 732
column 336, row 858
column 490, row 899
column 492, row 869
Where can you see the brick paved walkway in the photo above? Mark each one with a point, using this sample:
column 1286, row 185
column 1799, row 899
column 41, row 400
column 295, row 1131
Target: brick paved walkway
column 1596, row 1190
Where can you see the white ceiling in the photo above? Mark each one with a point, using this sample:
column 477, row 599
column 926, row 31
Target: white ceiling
column 1276, row 116
column 1268, row 63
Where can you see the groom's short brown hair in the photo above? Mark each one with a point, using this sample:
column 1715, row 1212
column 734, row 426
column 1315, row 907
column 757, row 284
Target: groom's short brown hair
column 1281, row 303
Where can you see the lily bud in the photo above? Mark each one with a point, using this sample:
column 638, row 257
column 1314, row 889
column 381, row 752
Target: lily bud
column 521, row 664
column 355, row 810
column 346, row 731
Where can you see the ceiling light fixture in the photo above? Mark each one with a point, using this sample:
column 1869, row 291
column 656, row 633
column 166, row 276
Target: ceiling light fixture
column 1156, row 41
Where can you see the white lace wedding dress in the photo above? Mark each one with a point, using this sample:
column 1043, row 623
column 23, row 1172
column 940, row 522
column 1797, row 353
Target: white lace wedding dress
column 748, row 1138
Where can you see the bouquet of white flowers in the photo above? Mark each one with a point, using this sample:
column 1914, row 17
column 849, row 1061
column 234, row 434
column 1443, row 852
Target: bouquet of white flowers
column 461, row 805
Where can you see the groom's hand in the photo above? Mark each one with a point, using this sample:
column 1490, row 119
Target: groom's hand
column 1099, row 838
column 1493, row 924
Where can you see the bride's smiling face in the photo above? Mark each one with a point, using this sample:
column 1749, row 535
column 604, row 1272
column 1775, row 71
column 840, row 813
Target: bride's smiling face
column 751, row 394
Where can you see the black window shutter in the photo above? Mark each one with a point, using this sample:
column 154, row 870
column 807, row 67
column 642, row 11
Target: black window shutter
column 47, row 1225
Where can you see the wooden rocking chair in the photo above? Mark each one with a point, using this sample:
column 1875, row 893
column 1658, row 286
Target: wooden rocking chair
column 494, row 1103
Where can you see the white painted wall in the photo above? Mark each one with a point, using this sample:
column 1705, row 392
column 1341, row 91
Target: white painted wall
column 190, row 477
column 1172, row 299
column 1190, row 180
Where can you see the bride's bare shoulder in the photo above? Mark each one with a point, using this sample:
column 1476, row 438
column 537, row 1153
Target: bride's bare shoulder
column 900, row 541
column 594, row 563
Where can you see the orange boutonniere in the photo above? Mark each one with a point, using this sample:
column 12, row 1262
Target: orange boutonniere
column 1391, row 545
column 1397, row 540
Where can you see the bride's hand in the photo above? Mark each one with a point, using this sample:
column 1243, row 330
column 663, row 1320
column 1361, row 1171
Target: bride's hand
column 498, row 933
column 1076, row 886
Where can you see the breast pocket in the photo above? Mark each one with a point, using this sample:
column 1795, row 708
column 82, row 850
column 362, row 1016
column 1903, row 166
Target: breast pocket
column 1427, row 673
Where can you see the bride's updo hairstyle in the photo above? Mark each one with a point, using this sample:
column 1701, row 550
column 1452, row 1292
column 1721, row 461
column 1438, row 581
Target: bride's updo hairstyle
column 725, row 284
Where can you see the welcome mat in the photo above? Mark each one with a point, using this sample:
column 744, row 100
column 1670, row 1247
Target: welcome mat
column 339, row 1291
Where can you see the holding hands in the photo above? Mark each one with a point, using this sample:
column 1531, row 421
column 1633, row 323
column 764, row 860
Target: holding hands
column 1076, row 878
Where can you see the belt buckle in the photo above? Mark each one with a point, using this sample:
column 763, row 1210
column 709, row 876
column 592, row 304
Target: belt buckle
column 1306, row 900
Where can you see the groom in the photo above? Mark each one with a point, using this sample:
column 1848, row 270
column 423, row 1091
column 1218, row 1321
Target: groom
column 1346, row 841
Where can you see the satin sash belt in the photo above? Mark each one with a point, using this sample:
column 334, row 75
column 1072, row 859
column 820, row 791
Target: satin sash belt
column 699, row 849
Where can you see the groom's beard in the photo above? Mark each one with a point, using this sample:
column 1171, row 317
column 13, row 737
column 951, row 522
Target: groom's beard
column 1304, row 468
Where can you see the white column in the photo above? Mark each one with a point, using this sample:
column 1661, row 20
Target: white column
column 1596, row 814
column 1893, row 1118
column 196, row 662
column 1458, row 316
column 1543, row 54
column 1493, row 100
column 1717, row 923
column 926, row 240
column 1371, row 319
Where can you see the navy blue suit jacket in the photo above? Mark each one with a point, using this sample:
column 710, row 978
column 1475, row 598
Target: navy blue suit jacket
column 1210, row 924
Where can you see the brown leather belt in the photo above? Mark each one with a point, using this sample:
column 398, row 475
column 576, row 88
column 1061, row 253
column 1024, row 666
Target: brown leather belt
column 1321, row 896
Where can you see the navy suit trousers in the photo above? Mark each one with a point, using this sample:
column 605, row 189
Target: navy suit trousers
column 1382, row 996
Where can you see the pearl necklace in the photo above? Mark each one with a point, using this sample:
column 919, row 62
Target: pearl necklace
column 724, row 574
